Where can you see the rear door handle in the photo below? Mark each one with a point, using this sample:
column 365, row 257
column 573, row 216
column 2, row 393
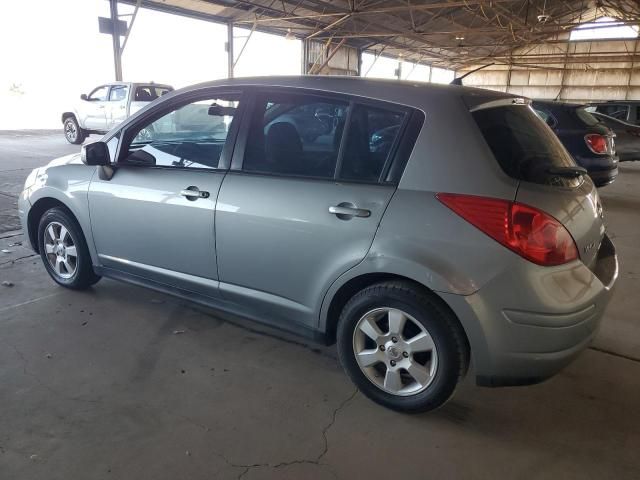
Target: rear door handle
column 347, row 210
column 193, row 193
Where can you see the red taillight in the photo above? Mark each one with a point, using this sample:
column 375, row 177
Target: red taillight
column 529, row 232
column 597, row 143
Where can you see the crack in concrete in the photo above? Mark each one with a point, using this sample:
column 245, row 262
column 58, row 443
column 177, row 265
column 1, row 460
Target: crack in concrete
column 10, row 234
column 19, row 258
column 614, row 354
column 246, row 468
column 50, row 389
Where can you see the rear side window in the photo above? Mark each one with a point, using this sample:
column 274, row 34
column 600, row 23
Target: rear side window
column 295, row 135
column 523, row 145
column 621, row 112
column 148, row 93
column 371, row 137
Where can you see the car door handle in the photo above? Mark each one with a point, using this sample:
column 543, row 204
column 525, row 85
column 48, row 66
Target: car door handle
column 193, row 193
column 346, row 210
column 100, row 106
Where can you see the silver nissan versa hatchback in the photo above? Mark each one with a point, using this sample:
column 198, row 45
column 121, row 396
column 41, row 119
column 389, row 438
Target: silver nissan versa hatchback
column 420, row 227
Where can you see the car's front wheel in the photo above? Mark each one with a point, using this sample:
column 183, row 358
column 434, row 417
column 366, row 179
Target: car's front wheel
column 72, row 131
column 64, row 250
column 402, row 347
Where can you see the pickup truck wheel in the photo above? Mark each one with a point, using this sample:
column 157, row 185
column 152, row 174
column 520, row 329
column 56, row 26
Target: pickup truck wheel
column 72, row 131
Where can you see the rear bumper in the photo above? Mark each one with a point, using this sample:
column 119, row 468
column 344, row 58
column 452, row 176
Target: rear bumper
column 526, row 325
column 631, row 156
column 603, row 177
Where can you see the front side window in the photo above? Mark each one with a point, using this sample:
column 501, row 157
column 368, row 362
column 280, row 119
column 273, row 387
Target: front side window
column 99, row 94
column 118, row 93
column 191, row 136
column 295, row 134
column 371, row 136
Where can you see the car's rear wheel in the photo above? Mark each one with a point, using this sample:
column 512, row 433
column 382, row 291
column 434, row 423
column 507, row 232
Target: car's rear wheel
column 402, row 347
column 64, row 250
column 72, row 131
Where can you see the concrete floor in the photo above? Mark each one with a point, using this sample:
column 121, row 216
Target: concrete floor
column 121, row 382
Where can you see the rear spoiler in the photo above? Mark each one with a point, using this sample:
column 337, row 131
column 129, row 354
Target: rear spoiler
column 501, row 102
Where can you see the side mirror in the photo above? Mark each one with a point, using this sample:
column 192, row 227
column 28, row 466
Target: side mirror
column 95, row 153
column 84, row 97
column 220, row 111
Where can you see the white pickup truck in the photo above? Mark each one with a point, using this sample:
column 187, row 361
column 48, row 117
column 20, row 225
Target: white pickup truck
column 106, row 106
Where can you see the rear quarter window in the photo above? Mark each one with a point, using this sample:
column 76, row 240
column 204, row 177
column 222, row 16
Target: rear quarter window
column 523, row 145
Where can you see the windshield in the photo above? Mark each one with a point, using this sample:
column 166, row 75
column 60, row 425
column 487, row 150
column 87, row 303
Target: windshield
column 524, row 146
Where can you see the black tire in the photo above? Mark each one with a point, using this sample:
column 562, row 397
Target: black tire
column 83, row 276
column 436, row 318
column 72, row 131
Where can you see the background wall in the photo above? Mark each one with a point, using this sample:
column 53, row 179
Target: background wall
column 344, row 61
column 574, row 71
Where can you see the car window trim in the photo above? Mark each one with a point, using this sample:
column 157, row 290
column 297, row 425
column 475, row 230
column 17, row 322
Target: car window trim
column 114, row 87
column 390, row 174
column 173, row 103
column 406, row 142
column 394, row 147
column 343, row 140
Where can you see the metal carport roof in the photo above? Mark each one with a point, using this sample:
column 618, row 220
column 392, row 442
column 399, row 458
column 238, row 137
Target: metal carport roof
column 451, row 34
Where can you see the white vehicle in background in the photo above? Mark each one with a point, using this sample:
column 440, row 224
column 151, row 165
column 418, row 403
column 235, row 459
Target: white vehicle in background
column 106, row 106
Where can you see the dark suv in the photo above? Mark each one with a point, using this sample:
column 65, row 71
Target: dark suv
column 589, row 141
column 625, row 110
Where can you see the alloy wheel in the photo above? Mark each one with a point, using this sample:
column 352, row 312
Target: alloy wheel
column 395, row 351
column 70, row 130
column 60, row 249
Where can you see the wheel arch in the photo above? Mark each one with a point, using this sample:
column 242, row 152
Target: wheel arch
column 35, row 214
column 338, row 299
column 66, row 115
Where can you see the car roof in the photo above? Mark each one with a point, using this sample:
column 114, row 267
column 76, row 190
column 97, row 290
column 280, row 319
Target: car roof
column 414, row 94
column 558, row 103
column 616, row 102
column 161, row 85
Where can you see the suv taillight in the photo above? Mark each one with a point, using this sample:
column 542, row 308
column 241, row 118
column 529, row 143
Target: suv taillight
column 529, row 232
column 597, row 143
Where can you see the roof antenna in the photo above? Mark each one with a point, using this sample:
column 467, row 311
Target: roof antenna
column 458, row 80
